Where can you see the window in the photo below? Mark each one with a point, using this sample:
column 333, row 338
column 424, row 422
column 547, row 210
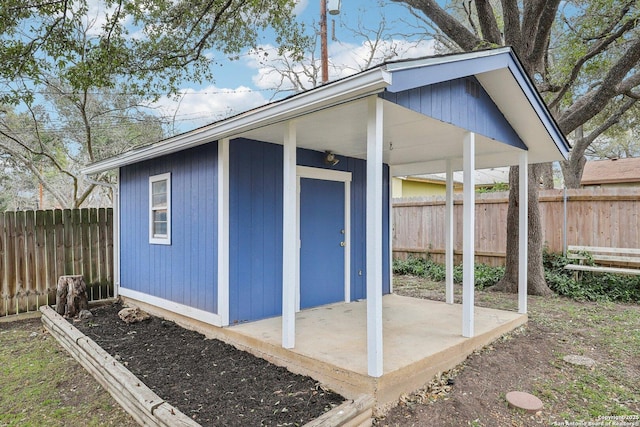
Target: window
column 160, row 209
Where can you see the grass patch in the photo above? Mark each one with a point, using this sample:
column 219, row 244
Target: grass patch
column 41, row 385
column 606, row 331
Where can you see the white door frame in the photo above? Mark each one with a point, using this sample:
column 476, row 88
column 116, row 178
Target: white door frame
column 327, row 175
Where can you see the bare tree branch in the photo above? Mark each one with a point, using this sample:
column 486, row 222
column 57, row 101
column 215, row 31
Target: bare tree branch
column 488, row 23
column 453, row 29
column 593, row 51
column 596, row 99
column 512, row 30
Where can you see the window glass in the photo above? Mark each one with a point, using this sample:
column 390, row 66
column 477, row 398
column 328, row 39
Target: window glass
column 160, row 209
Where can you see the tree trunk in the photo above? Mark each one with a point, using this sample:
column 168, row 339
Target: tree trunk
column 547, row 175
column 572, row 170
column 536, row 284
column 71, row 296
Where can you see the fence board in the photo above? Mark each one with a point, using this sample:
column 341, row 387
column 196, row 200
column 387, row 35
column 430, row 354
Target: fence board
column 30, row 271
column 595, row 217
column 67, row 241
column 76, row 232
column 59, row 244
column 41, row 259
column 102, row 249
column 36, row 247
column 109, row 243
column 20, row 259
column 85, row 247
column 92, row 245
column 4, row 291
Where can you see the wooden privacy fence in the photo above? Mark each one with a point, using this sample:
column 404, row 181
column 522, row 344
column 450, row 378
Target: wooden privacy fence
column 36, row 247
column 586, row 217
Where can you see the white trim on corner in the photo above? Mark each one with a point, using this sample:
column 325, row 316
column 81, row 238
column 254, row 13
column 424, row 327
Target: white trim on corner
column 166, row 240
column 223, row 231
column 347, row 240
column 116, row 236
column 328, row 175
column 298, row 243
column 174, row 307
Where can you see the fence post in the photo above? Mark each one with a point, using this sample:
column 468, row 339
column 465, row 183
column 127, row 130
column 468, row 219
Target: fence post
column 564, row 221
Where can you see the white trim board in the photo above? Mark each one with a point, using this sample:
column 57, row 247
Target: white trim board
column 166, row 239
column 223, row 231
column 174, row 307
column 324, row 174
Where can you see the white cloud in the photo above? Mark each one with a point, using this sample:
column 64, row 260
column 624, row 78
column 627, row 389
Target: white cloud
column 96, row 16
column 199, row 107
column 300, row 7
column 344, row 59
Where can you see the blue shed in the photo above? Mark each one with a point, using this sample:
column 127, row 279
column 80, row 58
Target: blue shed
column 286, row 207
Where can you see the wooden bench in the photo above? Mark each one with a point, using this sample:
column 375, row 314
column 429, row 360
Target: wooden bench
column 615, row 260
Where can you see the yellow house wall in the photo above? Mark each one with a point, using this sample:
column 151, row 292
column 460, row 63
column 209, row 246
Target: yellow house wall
column 405, row 188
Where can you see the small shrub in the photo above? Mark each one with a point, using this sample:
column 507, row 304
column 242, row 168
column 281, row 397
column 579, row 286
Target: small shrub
column 485, row 275
column 591, row 286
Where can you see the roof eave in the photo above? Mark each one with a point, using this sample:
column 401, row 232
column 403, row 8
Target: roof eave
column 360, row 85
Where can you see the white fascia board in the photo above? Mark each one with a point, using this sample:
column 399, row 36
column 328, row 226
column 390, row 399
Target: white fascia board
column 350, row 88
column 444, row 59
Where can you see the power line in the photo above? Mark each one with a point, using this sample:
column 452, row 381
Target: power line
column 219, row 92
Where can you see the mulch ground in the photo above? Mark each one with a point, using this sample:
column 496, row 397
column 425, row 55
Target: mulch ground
column 212, row 382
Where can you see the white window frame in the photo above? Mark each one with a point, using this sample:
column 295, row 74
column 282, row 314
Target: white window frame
column 160, row 240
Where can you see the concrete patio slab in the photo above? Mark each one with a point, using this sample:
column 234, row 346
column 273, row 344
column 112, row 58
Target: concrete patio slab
column 421, row 338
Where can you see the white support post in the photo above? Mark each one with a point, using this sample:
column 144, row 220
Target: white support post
column 449, row 233
column 374, row 237
column 523, row 221
column 468, row 236
column 390, row 231
column 116, row 237
column 223, row 231
column 289, row 238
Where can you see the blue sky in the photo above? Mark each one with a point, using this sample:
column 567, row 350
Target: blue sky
column 247, row 82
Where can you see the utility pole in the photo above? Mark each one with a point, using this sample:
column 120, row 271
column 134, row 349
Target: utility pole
column 334, row 9
column 324, row 55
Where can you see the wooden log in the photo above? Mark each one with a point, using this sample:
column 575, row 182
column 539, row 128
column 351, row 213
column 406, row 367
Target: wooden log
column 71, row 295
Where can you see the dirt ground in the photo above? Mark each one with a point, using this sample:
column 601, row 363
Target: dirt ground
column 208, row 380
column 530, row 360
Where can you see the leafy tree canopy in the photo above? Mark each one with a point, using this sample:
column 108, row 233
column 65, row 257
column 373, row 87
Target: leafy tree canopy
column 76, row 76
column 144, row 46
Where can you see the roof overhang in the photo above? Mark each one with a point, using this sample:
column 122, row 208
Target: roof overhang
column 355, row 87
column 333, row 117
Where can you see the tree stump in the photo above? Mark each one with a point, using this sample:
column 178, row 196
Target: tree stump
column 71, row 296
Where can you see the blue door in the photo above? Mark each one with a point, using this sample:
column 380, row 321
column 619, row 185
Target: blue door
column 322, row 239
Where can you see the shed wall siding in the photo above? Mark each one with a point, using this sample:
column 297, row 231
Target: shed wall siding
column 255, row 230
column 461, row 102
column 184, row 272
column 255, row 272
